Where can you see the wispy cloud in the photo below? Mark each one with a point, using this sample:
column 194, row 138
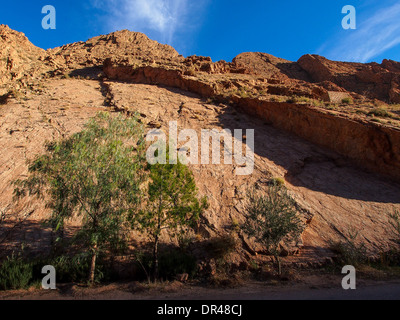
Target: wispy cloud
column 376, row 34
column 161, row 18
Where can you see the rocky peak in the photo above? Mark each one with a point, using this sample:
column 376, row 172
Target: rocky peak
column 121, row 45
column 18, row 57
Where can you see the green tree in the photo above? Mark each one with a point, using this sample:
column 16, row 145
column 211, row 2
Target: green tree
column 95, row 175
column 171, row 205
column 272, row 219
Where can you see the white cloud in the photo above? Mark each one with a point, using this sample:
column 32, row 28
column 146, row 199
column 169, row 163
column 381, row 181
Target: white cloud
column 160, row 18
column 375, row 35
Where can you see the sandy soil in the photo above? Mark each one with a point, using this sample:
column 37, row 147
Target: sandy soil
column 317, row 287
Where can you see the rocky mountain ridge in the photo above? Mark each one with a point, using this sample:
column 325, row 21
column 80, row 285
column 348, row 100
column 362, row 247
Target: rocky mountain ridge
column 312, row 75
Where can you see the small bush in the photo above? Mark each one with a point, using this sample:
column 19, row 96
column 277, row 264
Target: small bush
column 278, row 181
column 220, row 247
column 306, row 100
column 212, row 100
column 191, row 72
column 72, row 269
column 347, row 100
column 310, row 101
column 292, row 100
column 390, row 258
column 19, row 273
column 171, row 263
column 244, row 93
column 174, row 262
column 362, row 112
column 349, row 252
column 394, row 220
column 224, row 280
column 15, row 273
column 275, row 99
column 379, row 112
column 235, row 226
column 271, row 219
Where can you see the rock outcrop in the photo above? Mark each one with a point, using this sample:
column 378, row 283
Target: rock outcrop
column 369, row 144
column 20, row 60
column 135, row 47
column 372, row 80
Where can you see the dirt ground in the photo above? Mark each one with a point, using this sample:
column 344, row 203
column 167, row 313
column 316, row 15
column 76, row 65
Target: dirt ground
column 320, row 286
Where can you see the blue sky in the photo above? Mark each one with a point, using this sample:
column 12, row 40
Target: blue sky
column 223, row 28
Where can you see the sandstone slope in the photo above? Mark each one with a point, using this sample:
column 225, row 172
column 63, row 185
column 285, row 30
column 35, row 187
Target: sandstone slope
column 320, row 147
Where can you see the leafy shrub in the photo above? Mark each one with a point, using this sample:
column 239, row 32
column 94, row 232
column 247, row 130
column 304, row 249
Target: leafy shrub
column 15, row 273
column 362, row 112
column 144, row 262
column 191, row 72
column 292, row 100
column 235, row 226
column 272, row 219
column 278, row 181
column 310, row 101
column 394, row 220
column 390, row 258
column 244, row 93
column 71, row 269
column 275, row 99
column 19, row 273
column 171, row 263
column 347, row 100
column 305, row 100
column 174, row 262
column 349, row 252
column 212, row 100
column 220, row 247
column 379, row 112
